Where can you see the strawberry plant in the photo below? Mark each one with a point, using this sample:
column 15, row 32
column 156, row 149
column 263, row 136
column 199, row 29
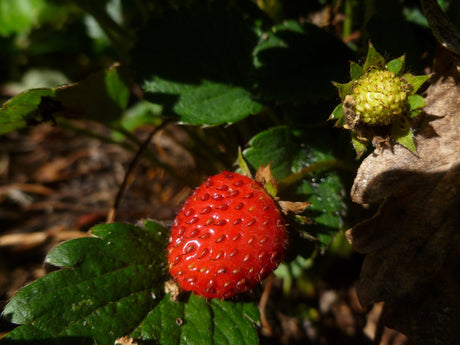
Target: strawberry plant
column 230, row 100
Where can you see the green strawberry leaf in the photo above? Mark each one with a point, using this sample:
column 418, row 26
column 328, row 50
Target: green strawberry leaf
column 197, row 321
column 326, row 195
column 208, row 103
column 163, row 324
column 112, row 285
column 373, row 59
column 234, row 322
column 276, row 146
column 304, row 165
column 198, row 64
column 396, row 66
column 106, row 287
column 103, row 96
column 29, row 107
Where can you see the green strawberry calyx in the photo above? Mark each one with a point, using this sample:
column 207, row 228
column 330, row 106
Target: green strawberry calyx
column 379, row 102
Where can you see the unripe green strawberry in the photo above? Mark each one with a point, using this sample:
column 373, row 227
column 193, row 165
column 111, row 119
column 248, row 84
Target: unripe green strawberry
column 379, row 102
column 227, row 237
column 379, row 97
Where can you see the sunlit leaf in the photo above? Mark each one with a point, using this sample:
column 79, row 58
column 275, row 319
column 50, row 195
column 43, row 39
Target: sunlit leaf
column 105, row 288
column 29, row 107
column 19, row 16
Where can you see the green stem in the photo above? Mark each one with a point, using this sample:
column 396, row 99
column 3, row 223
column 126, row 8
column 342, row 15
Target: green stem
column 83, row 131
column 123, row 131
column 348, row 22
column 130, row 169
column 146, row 153
column 296, row 177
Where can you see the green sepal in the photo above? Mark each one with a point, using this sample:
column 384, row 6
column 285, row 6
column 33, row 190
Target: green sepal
column 374, row 59
column 356, row 71
column 340, row 122
column 271, row 189
column 416, row 81
column 244, row 168
column 402, row 133
column 344, row 89
column 396, row 66
column 416, row 102
column 414, row 113
column 358, row 144
column 337, row 113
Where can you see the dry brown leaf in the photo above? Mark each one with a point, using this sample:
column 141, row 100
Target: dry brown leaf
column 413, row 241
column 265, row 177
column 125, row 341
column 295, row 207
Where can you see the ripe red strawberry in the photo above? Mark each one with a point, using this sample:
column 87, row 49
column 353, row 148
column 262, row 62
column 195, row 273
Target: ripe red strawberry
column 227, row 237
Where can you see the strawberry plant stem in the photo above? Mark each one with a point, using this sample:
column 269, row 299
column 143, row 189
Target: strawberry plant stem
column 266, row 329
column 296, row 177
column 83, row 131
column 112, row 212
column 348, row 22
column 147, row 153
